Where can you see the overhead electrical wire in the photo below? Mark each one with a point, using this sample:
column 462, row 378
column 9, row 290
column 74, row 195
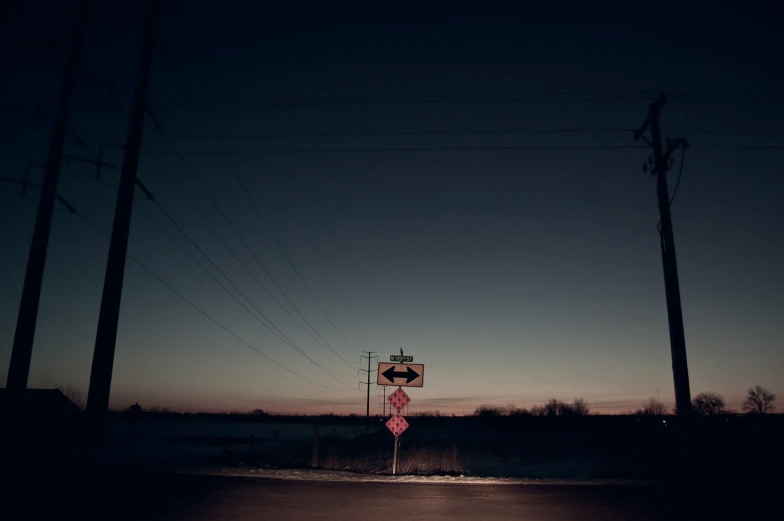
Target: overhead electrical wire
column 318, row 338
column 481, row 148
column 306, row 101
column 678, row 180
column 261, row 317
column 509, row 148
column 285, row 254
column 276, row 330
column 446, row 132
column 433, row 98
column 391, row 133
column 205, row 314
column 199, row 213
column 194, row 306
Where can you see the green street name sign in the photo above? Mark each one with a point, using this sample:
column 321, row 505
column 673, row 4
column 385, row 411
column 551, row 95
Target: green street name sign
column 398, row 358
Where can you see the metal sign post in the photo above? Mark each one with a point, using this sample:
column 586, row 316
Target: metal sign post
column 397, row 424
column 394, row 459
column 403, row 374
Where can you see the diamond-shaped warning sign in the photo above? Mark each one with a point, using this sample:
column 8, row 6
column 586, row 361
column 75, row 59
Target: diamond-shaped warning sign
column 397, row 424
column 399, row 399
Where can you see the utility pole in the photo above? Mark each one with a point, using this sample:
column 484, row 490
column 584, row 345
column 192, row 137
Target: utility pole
column 384, row 403
column 106, row 336
column 22, row 351
column 660, row 165
column 369, row 357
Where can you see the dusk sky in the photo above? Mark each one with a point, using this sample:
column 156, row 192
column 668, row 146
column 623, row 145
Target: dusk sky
column 517, row 266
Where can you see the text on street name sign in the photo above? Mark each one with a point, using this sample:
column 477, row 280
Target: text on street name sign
column 400, row 358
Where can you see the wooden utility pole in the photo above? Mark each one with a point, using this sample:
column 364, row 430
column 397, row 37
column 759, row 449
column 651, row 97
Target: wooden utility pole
column 21, row 354
column 106, row 336
column 661, row 164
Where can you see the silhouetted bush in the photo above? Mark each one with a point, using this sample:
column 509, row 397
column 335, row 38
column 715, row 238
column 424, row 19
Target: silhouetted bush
column 580, row 407
column 708, row 404
column 653, row 407
column 487, row 411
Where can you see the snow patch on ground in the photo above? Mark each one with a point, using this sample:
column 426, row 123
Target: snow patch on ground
column 339, row 476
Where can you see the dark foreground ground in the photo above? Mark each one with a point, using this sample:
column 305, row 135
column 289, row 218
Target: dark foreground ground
column 124, row 493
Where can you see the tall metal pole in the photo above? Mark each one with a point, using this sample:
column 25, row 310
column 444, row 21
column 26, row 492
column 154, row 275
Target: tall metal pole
column 394, row 459
column 680, row 370
column 21, row 354
column 369, row 371
column 106, row 336
column 367, row 412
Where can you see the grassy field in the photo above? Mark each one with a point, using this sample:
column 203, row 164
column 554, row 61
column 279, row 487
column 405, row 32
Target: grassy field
column 580, row 447
column 586, row 447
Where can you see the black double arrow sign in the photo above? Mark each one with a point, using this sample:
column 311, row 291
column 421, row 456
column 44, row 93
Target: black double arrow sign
column 409, row 374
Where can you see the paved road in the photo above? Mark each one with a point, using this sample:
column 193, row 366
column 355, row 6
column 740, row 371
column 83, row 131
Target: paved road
column 60, row 494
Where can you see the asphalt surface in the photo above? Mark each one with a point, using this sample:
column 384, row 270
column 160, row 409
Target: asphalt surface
column 60, row 493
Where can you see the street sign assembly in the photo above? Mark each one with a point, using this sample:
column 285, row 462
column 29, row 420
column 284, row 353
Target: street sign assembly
column 405, row 375
column 401, row 358
column 399, row 399
column 397, row 424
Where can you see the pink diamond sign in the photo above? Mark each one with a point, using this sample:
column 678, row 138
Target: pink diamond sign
column 399, row 399
column 397, row 424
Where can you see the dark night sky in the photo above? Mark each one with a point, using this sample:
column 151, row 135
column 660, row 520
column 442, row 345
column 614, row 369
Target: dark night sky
column 515, row 275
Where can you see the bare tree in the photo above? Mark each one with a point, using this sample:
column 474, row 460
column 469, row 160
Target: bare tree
column 73, row 393
column 653, row 407
column 520, row 411
column 556, row 407
column 708, row 404
column 487, row 411
column 759, row 400
column 580, row 407
column 509, row 409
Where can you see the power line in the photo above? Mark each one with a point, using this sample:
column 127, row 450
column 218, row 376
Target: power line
column 204, row 313
column 445, row 132
column 435, row 98
column 423, row 99
column 680, row 174
column 271, row 326
column 285, row 254
column 247, row 246
column 446, row 148
column 242, row 263
column 393, row 134
column 29, row 199
column 510, row 148
column 182, row 297
column 100, row 181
